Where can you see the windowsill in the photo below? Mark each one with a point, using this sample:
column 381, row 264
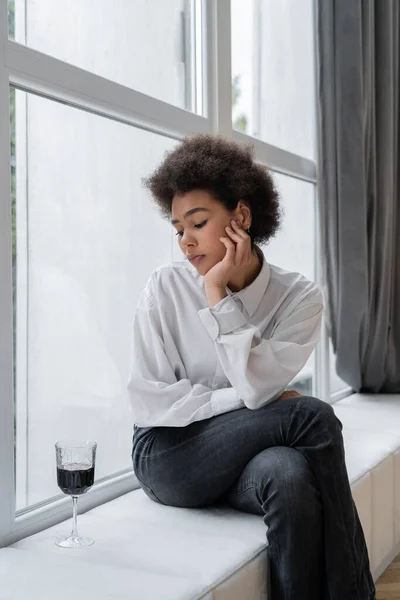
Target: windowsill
column 188, row 553
column 32, row 521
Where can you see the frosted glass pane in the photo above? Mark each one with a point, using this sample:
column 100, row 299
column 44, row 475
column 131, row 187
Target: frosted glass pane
column 273, row 72
column 293, row 248
column 336, row 383
column 243, row 72
column 147, row 46
column 88, row 237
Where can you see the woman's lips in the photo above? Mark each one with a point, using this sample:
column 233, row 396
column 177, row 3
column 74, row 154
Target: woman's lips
column 196, row 259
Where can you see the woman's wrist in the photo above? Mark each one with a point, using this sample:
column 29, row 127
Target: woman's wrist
column 215, row 294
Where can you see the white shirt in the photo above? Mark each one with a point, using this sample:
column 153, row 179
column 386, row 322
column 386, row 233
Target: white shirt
column 191, row 362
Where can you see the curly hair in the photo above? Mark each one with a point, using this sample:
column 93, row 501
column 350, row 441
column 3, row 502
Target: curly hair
column 227, row 171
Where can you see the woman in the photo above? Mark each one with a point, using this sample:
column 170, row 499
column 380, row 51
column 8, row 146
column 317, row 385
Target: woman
column 217, row 338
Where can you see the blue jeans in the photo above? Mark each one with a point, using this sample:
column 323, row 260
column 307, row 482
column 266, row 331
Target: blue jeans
column 284, row 462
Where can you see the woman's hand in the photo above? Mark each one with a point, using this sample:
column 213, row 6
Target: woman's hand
column 238, row 256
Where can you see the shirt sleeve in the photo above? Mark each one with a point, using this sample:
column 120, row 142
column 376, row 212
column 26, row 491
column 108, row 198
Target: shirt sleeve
column 259, row 368
column 157, row 398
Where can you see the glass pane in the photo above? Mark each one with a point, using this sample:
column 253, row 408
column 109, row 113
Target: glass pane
column 242, row 25
column 85, row 239
column 337, row 384
column 14, row 242
column 293, row 248
column 273, row 72
column 148, row 46
column 11, row 18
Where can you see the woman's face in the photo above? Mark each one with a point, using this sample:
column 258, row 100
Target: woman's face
column 200, row 221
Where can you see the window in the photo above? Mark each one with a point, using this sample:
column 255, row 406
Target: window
column 88, row 105
column 81, row 223
column 116, row 40
column 273, row 72
column 293, row 247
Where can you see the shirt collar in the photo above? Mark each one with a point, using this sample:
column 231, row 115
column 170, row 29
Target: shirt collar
column 252, row 295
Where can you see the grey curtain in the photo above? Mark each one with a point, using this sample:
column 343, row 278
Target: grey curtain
column 358, row 82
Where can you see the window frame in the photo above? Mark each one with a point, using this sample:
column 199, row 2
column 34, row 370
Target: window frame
column 29, row 70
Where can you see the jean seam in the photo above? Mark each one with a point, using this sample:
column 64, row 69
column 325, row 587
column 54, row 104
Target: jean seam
column 302, row 408
column 237, row 494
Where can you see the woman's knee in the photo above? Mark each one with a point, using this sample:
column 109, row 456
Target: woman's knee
column 286, row 479
column 322, row 410
column 282, row 464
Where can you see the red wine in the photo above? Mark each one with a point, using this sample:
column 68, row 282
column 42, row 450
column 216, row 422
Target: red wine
column 75, row 478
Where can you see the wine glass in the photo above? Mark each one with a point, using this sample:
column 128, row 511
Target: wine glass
column 75, row 476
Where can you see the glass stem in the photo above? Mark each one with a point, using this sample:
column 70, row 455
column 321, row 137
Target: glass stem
column 74, row 532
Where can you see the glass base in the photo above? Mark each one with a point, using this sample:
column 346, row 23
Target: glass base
column 73, row 542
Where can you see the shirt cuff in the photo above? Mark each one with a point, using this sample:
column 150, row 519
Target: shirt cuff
column 225, row 400
column 224, row 317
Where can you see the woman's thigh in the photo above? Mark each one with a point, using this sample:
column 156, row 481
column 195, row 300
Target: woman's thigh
column 195, row 465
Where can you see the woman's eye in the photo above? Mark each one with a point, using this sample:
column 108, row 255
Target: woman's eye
column 198, row 226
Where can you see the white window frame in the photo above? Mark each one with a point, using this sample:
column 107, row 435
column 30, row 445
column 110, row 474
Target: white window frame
column 32, row 71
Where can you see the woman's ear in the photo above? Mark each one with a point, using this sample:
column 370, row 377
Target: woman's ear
column 244, row 216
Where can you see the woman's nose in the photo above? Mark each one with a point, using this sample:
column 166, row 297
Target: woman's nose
column 187, row 239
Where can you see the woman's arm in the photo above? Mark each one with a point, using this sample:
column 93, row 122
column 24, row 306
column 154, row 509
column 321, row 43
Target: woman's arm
column 259, row 368
column 157, row 397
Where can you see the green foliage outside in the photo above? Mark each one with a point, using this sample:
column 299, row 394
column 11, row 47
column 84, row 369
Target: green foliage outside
column 11, row 19
column 240, row 123
column 11, row 34
column 13, row 191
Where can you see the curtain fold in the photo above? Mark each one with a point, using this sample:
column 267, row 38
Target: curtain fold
column 358, row 89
